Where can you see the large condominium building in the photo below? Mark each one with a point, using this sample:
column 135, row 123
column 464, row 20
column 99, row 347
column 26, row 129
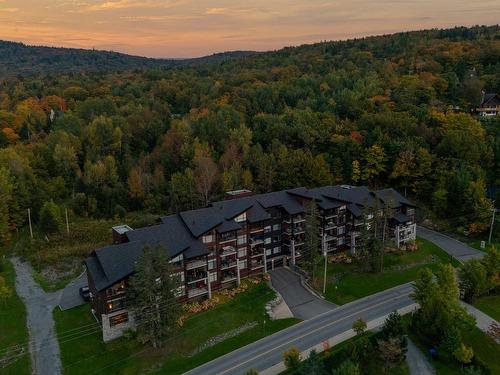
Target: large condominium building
column 215, row 247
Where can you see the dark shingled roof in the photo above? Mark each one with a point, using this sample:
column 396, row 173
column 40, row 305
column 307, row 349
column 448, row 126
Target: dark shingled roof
column 181, row 233
column 401, row 218
column 391, row 196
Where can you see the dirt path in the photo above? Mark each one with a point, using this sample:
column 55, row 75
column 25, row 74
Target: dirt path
column 44, row 347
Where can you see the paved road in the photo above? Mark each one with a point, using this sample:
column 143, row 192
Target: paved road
column 268, row 351
column 418, row 364
column 457, row 249
column 302, row 303
column 44, row 348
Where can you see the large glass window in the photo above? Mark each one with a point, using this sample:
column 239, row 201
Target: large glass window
column 242, row 253
column 242, row 239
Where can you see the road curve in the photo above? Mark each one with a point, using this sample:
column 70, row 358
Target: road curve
column 455, row 248
column 268, row 351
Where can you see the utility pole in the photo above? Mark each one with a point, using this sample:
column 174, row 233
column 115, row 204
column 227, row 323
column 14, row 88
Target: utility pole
column 67, row 222
column 323, row 245
column 492, row 222
column 29, row 220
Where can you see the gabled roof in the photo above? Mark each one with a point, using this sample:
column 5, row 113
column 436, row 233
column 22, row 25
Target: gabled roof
column 180, row 233
column 393, row 198
column 490, row 99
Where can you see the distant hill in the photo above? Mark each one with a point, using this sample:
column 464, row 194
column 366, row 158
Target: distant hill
column 20, row 59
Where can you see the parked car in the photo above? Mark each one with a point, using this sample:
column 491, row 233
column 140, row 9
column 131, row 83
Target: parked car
column 85, row 293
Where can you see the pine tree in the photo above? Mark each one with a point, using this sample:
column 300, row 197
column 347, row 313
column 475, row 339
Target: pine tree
column 152, row 296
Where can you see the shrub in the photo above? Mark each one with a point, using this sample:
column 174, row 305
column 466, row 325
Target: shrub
column 347, row 367
column 292, row 358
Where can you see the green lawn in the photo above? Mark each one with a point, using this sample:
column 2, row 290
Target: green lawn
column 477, row 245
column 489, row 305
column 398, row 269
column 13, row 329
column 88, row 353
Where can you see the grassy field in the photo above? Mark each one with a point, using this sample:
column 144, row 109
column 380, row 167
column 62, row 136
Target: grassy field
column 489, row 305
column 346, row 283
column 13, row 329
column 57, row 258
column 87, row 354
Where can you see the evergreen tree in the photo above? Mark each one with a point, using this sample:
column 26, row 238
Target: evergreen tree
column 152, row 296
column 50, row 217
column 312, row 241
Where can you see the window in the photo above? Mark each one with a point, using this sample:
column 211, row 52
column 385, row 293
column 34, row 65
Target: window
column 267, row 229
column 276, row 250
column 276, row 227
column 207, row 238
column 211, row 264
column 240, row 218
column 212, row 276
column 242, row 239
column 118, row 319
column 242, row 253
column 340, row 230
column 267, row 240
column 269, row 251
column 340, row 241
column 276, row 238
column 242, row 264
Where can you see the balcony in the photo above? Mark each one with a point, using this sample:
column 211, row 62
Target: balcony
column 256, row 240
column 257, row 252
column 256, row 265
column 226, row 264
column 195, row 292
column 226, row 239
column 196, row 264
column 196, row 276
column 227, row 250
column 256, row 230
column 228, row 276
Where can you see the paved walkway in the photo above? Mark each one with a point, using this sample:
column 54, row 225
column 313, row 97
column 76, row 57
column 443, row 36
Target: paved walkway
column 418, row 364
column 457, row 249
column 483, row 321
column 44, row 347
column 302, row 303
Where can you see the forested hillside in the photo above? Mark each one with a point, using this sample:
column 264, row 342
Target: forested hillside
column 381, row 111
column 17, row 59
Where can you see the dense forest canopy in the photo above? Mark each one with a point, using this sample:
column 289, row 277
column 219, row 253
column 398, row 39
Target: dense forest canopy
column 18, row 59
column 382, row 111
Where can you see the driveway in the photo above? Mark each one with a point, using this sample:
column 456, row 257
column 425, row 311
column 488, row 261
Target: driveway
column 418, row 364
column 302, row 303
column 457, row 249
column 70, row 296
column 43, row 344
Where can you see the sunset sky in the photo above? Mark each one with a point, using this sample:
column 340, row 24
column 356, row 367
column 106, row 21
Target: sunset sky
column 187, row 28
